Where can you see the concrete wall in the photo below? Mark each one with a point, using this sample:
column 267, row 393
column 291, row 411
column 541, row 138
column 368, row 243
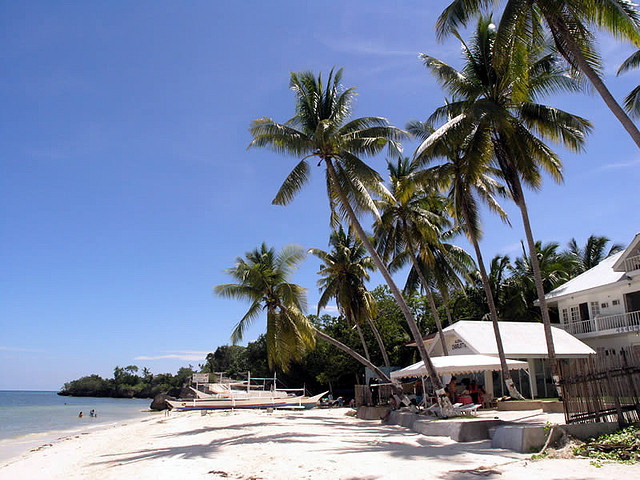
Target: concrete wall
column 524, row 438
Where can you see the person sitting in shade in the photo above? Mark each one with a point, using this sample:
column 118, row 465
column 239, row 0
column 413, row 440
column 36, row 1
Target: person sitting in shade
column 465, row 397
column 453, row 390
column 476, row 392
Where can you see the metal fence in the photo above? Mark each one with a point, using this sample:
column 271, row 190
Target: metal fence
column 602, row 388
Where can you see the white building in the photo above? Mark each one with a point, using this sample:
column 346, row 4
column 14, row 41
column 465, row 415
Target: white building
column 601, row 307
column 523, row 341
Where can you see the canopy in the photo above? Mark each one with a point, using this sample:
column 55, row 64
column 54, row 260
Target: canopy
column 457, row 364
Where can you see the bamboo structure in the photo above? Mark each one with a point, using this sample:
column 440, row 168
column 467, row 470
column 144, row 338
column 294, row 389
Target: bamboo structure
column 602, row 388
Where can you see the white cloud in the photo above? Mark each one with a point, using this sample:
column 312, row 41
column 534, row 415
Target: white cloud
column 364, row 47
column 16, row 349
column 615, row 166
column 188, row 355
column 330, row 309
column 515, row 247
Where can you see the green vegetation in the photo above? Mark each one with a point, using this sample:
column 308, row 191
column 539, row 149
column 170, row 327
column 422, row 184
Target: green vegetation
column 127, row 383
column 622, row 446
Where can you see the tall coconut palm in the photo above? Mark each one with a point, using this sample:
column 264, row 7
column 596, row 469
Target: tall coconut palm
column 496, row 98
column 593, row 252
column 571, row 23
column 410, row 228
column 343, row 273
column 263, row 280
column 465, row 174
column 321, row 128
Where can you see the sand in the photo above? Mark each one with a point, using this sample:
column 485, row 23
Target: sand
column 315, row 444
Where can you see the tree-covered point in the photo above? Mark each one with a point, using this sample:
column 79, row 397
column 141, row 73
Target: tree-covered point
column 128, row 382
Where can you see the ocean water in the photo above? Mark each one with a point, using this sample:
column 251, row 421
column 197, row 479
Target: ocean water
column 29, row 417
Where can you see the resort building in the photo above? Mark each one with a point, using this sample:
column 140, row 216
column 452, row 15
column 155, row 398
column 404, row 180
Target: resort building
column 523, row 341
column 601, row 307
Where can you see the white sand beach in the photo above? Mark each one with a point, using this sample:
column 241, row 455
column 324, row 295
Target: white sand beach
column 315, row 444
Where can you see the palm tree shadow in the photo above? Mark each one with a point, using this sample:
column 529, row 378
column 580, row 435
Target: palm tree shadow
column 206, row 450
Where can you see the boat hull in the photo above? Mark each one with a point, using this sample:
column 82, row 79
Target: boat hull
column 244, row 403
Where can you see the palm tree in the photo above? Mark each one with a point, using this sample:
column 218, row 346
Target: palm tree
column 410, row 228
column 343, row 273
column 448, row 265
column 263, row 280
column 555, row 269
column 465, row 174
column 571, row 25
column 321, row 128
column 496, row 98
column 593, row 252
column 632, row 100
column 507, row 297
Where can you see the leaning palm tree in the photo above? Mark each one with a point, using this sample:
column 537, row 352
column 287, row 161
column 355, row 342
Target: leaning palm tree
column 343, row 273
column 501, row 98
column 571, row 23
column 593, row 252
column 263, row 280
column 465, row 175
column 321, row 128
column 410, row 228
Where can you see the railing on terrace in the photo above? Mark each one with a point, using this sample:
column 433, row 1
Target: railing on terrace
column 600, row 324
column 632, row 263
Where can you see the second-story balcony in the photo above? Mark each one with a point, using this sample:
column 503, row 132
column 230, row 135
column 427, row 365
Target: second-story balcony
column 605, row 325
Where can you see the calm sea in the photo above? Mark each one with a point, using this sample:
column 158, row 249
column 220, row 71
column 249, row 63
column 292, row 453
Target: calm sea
column 27, row 417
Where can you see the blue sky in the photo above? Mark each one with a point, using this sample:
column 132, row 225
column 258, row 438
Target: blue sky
column 126, row 187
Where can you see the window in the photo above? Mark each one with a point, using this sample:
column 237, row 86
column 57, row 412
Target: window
column 595, row 309
column 604, row 305
column 565, row 316
column 575, row 314
column 615, row 302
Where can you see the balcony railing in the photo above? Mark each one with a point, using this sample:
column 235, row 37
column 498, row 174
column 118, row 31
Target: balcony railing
column 632, row 263
column 623, row 322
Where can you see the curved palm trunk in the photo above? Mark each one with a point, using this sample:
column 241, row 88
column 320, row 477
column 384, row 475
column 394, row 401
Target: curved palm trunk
column 383, row 350
column 537, row 276
column 445, row 297
column 559, row 29
column 411, row 322
column 352, row 353
column 432, row 303
column 493, row 313
column 364, row 343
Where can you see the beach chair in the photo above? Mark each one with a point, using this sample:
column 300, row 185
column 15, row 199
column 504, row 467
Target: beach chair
column 489, row 401
column 433, row 410
column 469, row 409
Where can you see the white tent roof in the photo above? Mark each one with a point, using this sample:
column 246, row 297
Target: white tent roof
column 520, row 339
column 457, row 364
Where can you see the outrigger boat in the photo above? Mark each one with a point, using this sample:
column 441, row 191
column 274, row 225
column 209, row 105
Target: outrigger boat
column 233, row 402
column 224, row 396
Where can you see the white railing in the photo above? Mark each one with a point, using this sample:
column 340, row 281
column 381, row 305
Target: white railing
column 622, row 322
column 632, row 263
